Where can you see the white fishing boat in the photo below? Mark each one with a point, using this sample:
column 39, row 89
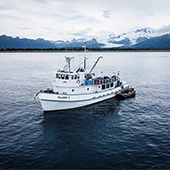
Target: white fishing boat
column 74, row 89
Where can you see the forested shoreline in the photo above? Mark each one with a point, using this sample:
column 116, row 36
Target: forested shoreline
column 81, row 49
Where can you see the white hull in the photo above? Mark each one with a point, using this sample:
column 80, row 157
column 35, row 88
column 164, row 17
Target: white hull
column 54, row 102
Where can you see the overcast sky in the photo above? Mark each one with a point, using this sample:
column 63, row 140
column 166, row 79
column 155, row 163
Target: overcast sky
column 67, row 19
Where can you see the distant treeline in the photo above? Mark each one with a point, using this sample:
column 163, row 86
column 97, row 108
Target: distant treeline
column 79, row 49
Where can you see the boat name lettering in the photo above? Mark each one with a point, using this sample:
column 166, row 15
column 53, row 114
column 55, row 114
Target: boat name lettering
column 62, row 97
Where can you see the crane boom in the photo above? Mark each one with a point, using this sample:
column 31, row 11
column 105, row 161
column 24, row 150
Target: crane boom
column 95, row 63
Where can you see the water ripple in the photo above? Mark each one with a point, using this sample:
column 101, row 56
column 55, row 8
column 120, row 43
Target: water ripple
column 129, row 134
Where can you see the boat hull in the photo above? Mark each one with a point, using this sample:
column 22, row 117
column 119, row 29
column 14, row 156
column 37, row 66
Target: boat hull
column 54, row 102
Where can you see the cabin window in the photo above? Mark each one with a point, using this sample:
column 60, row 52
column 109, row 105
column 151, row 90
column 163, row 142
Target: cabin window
column 56, row 75
column 107, row 85
column 67, row 77
column 98, row 86
column 62, row 76
column 103, row 86
column 72, row 77
column 87, row 88
column 111, row 85
column 72, row 90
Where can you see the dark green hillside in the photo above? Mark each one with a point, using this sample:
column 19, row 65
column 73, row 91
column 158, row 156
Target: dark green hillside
column 23, row 43
column 162, row 42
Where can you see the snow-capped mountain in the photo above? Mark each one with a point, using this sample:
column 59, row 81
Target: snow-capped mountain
column 78, row 43
column 139, row 38
column 131, row 38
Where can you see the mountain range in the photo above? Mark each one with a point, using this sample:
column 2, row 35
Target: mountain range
column 131, row 38
column 140, row 38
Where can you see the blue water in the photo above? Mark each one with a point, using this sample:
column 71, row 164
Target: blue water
column 129, row 134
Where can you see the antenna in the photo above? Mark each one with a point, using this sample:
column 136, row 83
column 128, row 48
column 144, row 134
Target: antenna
column 68, row 60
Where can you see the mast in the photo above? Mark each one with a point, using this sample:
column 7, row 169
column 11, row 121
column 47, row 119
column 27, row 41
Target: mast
column 85, row 56
column 95, row 63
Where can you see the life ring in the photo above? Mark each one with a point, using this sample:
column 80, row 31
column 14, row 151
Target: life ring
column 78, row 81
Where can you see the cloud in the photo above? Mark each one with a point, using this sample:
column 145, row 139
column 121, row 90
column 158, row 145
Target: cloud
column 64, row 19
column 4, row 7
column 40, row 1
column 25, row 28
column 107, row 13
column 83, row 33
column 163, row 30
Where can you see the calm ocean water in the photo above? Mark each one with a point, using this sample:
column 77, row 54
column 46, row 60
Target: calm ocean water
column 129, row 134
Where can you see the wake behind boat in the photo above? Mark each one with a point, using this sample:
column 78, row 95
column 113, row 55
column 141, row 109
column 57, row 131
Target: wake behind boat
column 73, row 89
